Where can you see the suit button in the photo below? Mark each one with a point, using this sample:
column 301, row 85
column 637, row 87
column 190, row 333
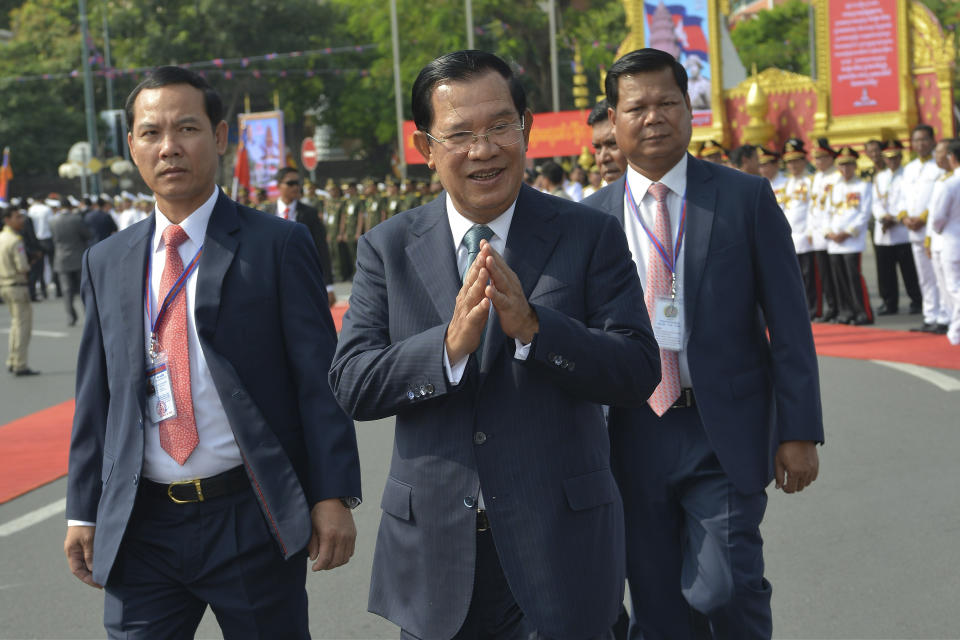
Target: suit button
column 469, row 502
column 422, row 391
column 479, row 437
column 558, row 361
column 410, row 394
column 136, row 479
column 430, row 389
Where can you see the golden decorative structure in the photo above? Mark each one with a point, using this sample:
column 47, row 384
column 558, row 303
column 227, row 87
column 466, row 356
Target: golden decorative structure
column 580, row 90
column 759, row 129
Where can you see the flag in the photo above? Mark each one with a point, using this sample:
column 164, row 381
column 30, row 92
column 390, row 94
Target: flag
column 241, row 169
column 6, row 174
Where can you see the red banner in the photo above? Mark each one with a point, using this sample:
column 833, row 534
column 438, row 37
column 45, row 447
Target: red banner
column 863, row 52
column 560, row 133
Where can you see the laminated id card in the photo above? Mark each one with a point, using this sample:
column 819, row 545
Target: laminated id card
column 668, row 322
column 160, row 404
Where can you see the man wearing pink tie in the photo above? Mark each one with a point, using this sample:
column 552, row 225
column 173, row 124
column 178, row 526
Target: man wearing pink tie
column 736, row 406
column 208, row 459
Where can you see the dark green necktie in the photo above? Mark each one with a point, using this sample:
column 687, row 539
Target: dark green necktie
column 471, row 240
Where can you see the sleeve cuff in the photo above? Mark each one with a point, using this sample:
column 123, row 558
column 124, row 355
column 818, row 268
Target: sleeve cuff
column 455, row 370
column 80, row 523
column 522, row 352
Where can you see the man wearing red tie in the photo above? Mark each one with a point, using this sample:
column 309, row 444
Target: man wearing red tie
column 737, row 406
column 207, row 459
column 289, row 207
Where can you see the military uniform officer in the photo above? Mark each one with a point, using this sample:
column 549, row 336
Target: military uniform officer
column 332, row 208
column 349, row 225
column 849, row 210
column 796, row 207
column 824, row 178
column 373, row 207
column 945, row 219
column 711, row 151
column 14, row 275
column 770, row 169
column 891, row 239
column 921, row 174
column 393, row 200
column 934, row 241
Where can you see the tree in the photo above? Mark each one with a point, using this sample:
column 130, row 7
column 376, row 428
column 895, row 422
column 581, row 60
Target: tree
column 778, row 37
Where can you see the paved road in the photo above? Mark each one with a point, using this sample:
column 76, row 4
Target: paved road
column 870, row 551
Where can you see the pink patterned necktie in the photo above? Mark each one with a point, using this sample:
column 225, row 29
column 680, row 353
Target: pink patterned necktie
column 178, row 435
column 658, row 284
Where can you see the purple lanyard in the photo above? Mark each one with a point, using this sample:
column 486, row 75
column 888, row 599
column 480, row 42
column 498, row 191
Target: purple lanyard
column 171, row 295
column 662, row 250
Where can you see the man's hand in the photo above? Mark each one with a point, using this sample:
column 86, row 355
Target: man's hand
column 334, row 534
column 78, row 548
column 796, row 465
column 517, row 318
column 470, row 313
column 841, row 236
column 331, row 297
column 914, row 224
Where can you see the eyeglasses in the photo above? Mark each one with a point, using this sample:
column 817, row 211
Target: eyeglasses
column 502, row 135
column 292, row 183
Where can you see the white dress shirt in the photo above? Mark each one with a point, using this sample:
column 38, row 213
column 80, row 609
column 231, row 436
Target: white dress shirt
column 291, row 214
column 919, row 178
column 217, row 450
column 459, row 225
column 639, row 243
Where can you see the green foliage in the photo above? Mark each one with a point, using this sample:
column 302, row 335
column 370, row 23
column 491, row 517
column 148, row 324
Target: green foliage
column 779, row 37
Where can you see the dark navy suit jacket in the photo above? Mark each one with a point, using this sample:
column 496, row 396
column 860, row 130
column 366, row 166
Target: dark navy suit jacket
column 265, row 328
column 530, row 433
column 748, row 338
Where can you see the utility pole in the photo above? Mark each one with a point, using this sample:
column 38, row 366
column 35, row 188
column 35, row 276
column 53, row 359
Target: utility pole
column 554, row 74
column 398, row 96
column 469, row 9
column 88, row 96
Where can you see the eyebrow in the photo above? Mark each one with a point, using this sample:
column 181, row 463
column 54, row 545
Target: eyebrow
column 184, row 120
column 460, row 125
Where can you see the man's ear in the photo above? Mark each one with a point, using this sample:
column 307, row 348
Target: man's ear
column 422, row 143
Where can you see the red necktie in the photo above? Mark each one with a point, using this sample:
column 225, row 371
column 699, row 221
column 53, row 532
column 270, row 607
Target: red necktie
column 178, row 435
column 286, row 213
column 658, row 285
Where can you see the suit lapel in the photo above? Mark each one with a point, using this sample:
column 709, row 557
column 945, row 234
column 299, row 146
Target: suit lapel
column 530, row 242
column 432, row 255
column 614, row 203
column 219, row 248
column 701, row 202
column 132, row 273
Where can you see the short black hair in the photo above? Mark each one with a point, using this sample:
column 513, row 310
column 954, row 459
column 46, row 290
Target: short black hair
column 168, row 75
column 598, row 113
column 552, row 172
column 7, row 212
column 874, row 141
column 643, row 61
column 282, row 171
column 926, row 129
column 953, row 148
column 460, row 65
column 741, row 153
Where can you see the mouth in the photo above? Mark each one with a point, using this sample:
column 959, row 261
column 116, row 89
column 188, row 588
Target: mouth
column 485, row 175
column 172, row 171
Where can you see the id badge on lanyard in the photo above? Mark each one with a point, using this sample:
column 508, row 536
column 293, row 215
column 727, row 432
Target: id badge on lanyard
column 160, row 400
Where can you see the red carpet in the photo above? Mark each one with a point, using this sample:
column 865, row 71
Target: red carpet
column 34, row 450
column 864, row 343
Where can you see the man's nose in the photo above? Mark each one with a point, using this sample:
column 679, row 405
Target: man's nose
column 169, row 146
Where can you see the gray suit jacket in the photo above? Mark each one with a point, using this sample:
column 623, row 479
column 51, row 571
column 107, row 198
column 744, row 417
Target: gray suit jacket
column 530, row 433
column 71, row 237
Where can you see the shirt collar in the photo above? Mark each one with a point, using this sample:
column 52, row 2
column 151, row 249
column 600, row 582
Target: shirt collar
column 675, row 179
column 281, row 204
column 459, row 225
column 195, row 224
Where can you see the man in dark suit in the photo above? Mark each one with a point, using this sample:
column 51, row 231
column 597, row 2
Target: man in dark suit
column 71, row 237
column 208, row 458
column 289, row 207
column 98, row 218
column 501, row 516
column 736, row 407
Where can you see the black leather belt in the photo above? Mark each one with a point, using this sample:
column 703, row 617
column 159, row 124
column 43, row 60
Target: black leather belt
column 483, row 523
column 199, row 489
column 686, row 399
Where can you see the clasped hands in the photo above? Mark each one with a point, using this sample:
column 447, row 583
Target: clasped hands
column 489, row 280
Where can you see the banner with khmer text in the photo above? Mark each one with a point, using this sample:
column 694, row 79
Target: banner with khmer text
column 863, row 56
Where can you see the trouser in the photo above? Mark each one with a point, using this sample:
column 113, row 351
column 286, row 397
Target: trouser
column 17, row 298
column 889, row 257
column 36, row 286
column 827, row 298
column 494, row 613
column 346, row 257
column 808, row 270
column 694, row 550
column 946, row 302
column 71, row 282
column 852, row 296
column 175, row 559
column 928, row 283
column 951, row 276
column 48, row 253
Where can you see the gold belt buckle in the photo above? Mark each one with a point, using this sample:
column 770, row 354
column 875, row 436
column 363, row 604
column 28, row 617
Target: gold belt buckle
column 195, row 482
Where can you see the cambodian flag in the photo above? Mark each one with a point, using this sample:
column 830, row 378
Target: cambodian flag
column 6, row 174
column 689, row 28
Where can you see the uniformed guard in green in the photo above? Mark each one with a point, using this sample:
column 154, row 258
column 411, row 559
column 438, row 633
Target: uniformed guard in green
column 349, row 226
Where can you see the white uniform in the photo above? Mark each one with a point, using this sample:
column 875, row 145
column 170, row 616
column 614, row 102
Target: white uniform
column 823, row 182
column 849, row 210
column 919, row 176
column 778, row 184
column 796, row 206
column 945, row 220
column 935, row 238
column 885, row 199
